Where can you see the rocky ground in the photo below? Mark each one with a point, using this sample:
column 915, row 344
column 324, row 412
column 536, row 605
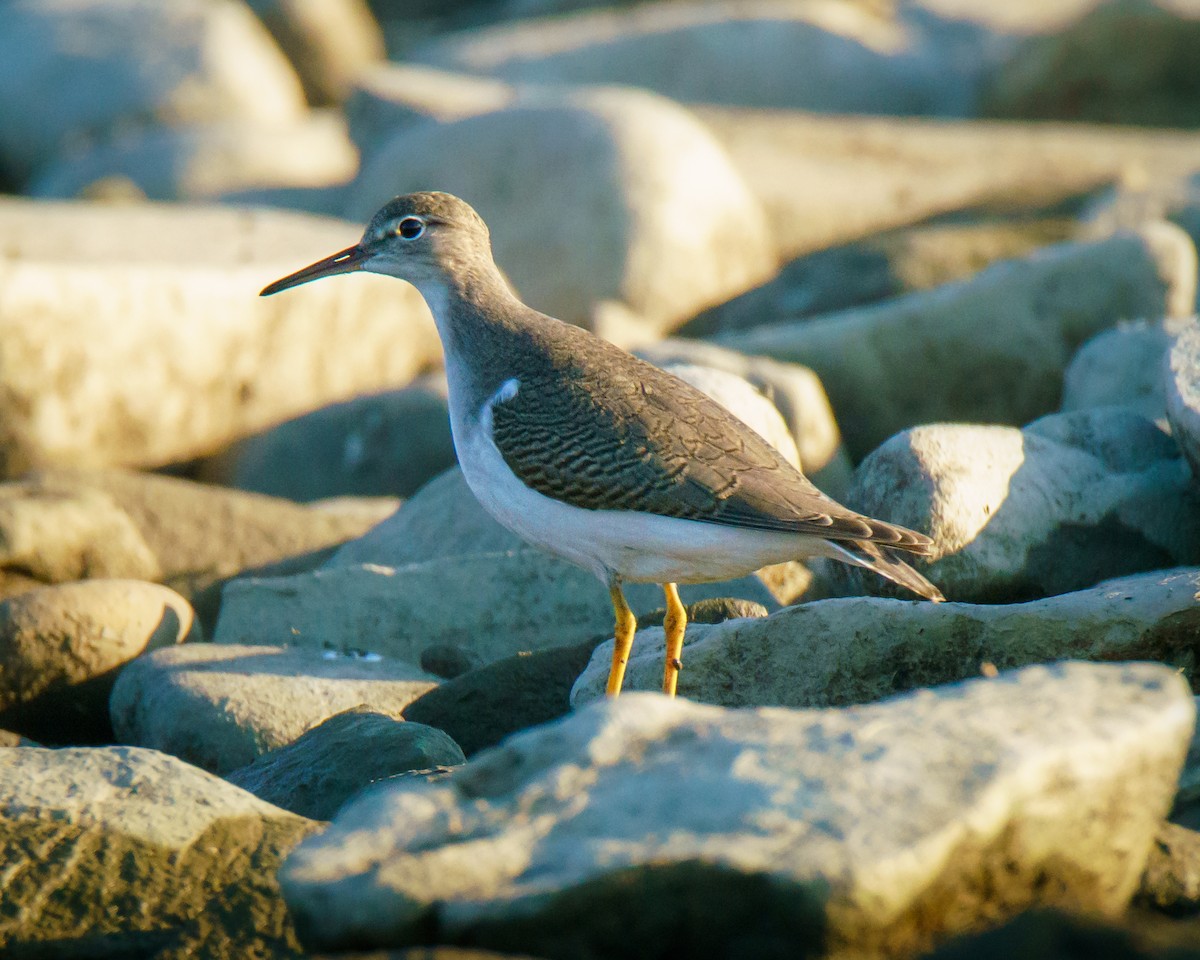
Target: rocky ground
column 273, row 685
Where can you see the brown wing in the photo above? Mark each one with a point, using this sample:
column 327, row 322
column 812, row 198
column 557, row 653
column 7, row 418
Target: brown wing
column 628, row 436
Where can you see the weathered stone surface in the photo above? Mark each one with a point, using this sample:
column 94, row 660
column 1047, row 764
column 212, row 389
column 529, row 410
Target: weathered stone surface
column 131, row 62
column 995, row 346
column 1121, row 367
column 1171, row 882
column 315, row 774
column 482, row 707
column 205, row 161
column 1069, row 74
column 837, row 58
column 795, row 391
column 389, row 443
column 61, row 648
column 388, row 97
column 328, row 43
column 70, row 524
column 889, row 264
column 640, row 205
column 494, row 605
column 181, row 357
column 220, row 707
column 874, row 830
column 859, row 649
column 826, row 181
column 125, row 852
column 1072, row 499
column 1183, row 392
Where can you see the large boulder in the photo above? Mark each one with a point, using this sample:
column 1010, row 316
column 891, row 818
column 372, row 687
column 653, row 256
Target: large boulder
column 62, row 648
column 181, row 356
column 221, row 707
column 123, row 852
column 114, row 64
column 204, row 161
column 860, row 649
column 990, row 349
column 877, row 830
column 592, row 197
column 1072, row 499
column 835, row 58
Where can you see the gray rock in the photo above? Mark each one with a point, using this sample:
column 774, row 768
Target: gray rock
column 566, row 240
column 885, row 265
column 859, row 649
column 144, row 855
column 795, row 391
column 381, row 444
column 848, row 59
column 1121, row 367
column 61, row 648
column 775, row 830
column 317, row 773
column 329, row 43
column 493, row 605
column 1183, row 392
column 220, row 707
column 166, row 382
column 205, row 161
column 991, row 349
column 388, row 97
column 1072, row 499
column 1068, row 74
column 115, row 64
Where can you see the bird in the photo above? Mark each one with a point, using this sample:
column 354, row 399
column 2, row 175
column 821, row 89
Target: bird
column 595, row 455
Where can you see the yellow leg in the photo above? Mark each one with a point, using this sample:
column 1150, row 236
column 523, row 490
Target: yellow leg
column 673, row 629
column 626, row 626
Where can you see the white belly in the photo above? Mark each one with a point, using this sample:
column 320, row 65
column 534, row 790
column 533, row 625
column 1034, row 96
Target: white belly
column 636, row 547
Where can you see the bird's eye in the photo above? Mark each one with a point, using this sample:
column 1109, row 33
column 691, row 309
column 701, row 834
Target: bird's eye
column 410, row 228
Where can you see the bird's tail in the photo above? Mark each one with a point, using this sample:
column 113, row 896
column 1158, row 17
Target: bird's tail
column 883, row 560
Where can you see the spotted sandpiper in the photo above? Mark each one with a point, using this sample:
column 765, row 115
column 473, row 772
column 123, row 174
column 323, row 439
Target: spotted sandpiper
column 597, row 456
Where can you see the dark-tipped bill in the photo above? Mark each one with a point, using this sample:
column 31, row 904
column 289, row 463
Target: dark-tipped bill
column 350, row 259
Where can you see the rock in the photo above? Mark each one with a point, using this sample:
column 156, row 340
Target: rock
column 827, row 181
column 494, row 605
column 315, row 774
column 844, row 58
column 480, row 708
column 63, row 525
column 206, row 161
column 795, row 391
column 860, row 649
column 1069, row 75
column 62, row 647
column 9, row 739
column 1171, row 882
column 329, row 44
column 1121, row 367
column 994, row 347
column 876, row 830
column 221, row 707
column 143, row 63
column 643, row 207
column 145, row 856
column 1183, row 392
column 886, row 265
column 389, row 443
column 181, row 357
column 388, row 97
column 1072, row 499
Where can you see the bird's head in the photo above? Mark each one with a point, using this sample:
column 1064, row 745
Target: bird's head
column 420, row 237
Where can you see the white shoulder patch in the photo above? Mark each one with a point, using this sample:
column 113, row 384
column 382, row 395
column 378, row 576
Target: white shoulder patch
column 508, row 390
